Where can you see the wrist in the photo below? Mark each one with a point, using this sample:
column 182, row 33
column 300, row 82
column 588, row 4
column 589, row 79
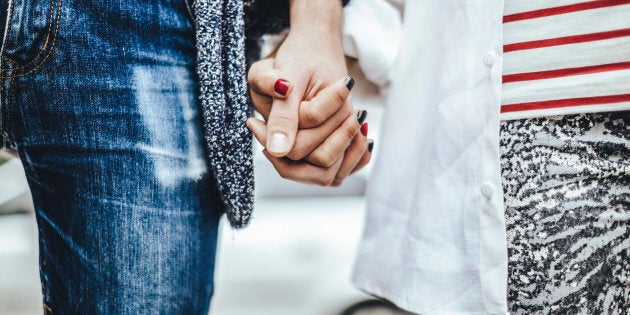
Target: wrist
column 317, row 18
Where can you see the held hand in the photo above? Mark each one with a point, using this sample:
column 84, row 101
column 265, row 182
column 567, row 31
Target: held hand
column 310, row 61
column 336, row 145
column 353, row 158
column 311, row 58
column 267, row 83
column 323, row 136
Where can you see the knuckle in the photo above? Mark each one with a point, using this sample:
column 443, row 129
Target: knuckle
column 347, row 110
column 323, row 158
column 325, row 181
column 329, row 179
column 337, row 182
column 312, row 115
column 349, row 133
column 283, row 174
column 339, row 97
column 297, row 154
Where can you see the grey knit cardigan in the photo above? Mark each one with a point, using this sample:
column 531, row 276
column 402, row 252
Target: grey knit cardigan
column 226, row 29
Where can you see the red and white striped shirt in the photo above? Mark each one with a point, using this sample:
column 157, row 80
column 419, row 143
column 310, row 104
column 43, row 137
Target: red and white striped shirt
column 565, row 57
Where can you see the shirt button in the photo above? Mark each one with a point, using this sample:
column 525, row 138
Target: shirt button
column 487, row 189
column 489, row 58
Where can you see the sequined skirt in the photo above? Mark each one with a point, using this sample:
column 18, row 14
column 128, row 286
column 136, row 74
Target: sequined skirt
column 567, row 195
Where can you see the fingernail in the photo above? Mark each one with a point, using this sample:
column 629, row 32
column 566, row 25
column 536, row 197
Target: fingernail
column 364, row 129
column 371, row 146
column 281, row 87
column 361, row 115
column 349, row 83
column 278, row 142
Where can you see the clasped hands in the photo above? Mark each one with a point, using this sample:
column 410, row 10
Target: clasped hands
column 311, row 133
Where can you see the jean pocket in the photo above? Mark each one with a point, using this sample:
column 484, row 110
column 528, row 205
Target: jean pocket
column 30, row 35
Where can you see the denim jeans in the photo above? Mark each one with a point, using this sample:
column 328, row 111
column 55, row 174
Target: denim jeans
column 100, row 99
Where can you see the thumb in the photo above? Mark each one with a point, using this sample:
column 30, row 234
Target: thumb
column 283, row 119
column 282, row 126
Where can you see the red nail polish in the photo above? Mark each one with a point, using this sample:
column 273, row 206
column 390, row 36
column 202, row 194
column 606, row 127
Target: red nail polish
column 281, row 87
column 364, row 129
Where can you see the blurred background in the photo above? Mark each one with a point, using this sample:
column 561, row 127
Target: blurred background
column 303, row 237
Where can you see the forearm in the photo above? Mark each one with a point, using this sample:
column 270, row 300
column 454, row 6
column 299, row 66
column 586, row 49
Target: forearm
column 317, row 18
column 316, row 27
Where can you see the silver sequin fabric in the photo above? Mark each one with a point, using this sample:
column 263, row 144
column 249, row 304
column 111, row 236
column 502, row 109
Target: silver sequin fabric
column 567, row 194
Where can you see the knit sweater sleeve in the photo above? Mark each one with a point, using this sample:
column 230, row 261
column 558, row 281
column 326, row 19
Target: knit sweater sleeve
column 264, row 17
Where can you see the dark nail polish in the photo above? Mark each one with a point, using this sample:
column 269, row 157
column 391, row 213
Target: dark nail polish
column 371, row 146
column 361, row 115
column 349, row 83
column 281, row 87
column 364, row 129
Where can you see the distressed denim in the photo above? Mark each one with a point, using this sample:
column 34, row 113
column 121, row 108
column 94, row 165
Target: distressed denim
column 100, row 99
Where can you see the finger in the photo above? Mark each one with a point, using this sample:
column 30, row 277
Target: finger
column 262, row 103
column 264, row 79
column 302, row 171
column 309, row 139
column 258, row 128
column 282, row 123
column 353, row 155
column 367, row 156
column 333, row 148
column 327, row 102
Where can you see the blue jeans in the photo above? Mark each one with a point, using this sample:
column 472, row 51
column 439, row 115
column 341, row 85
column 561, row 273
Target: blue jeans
column 100, row 99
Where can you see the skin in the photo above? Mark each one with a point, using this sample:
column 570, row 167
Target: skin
column 311, row 57
column 316, row 116
column 324, row 154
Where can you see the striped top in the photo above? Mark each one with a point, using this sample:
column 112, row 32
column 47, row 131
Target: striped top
column 565, row 57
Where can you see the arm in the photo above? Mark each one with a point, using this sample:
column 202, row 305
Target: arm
column 312, row 59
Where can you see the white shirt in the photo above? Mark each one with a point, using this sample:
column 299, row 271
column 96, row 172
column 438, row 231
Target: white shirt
column 434, row 240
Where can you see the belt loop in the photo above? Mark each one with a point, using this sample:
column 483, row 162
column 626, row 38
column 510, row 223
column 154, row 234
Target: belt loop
column 6, row 28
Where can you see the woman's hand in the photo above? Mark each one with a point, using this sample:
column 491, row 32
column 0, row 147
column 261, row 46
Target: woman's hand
column 354, row 157
column 330, row 144
column 311, row 58
column 319, row 119
column 332, row 140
